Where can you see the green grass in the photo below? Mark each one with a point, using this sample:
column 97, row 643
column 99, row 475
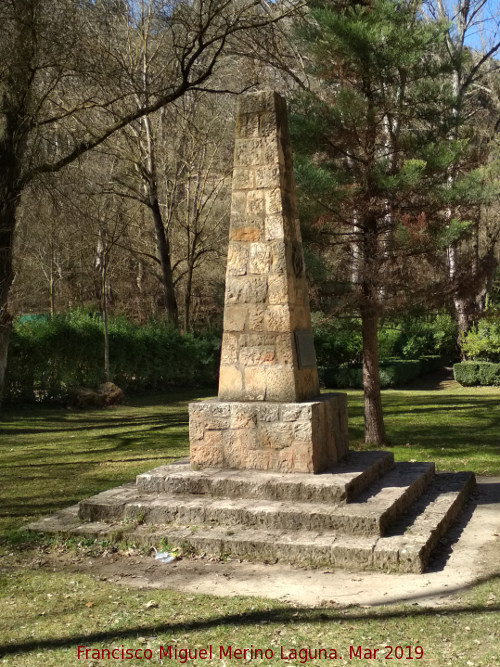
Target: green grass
column 52, row 458
column 46, row 615
column 458, row 428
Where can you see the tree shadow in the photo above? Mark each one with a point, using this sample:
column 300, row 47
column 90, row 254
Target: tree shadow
column 289, row 616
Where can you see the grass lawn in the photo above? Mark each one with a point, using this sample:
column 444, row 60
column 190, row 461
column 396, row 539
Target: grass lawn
column 52, row 458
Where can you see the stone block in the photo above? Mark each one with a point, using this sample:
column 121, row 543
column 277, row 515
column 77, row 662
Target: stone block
column 256, row 320
column 277, row 290
column 237, row 259
column 278, row 318
column 229, row 349
column 262, row 355
column 280, row 384
column 274, row 227
column 255, row 383
column 273, row 202
column 243, row 178
column 235, row 317
column 285, row 349
column 267, row 412
column 250, row 233
column 267, row 177
column 278, row 258
column 249, row 152
column 206, row 456
column 248, row 124
column 255, row 204
column 259, row 260
column 230, row 382
column 296, row 412
column 243, row 416
column 246, row 289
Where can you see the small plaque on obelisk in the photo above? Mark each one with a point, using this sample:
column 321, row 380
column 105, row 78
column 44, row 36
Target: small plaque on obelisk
column 269, row 414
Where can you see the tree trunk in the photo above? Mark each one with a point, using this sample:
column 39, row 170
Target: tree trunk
column 374, row 420
column 9, row 200
column 187, row 297
column 5, row 329
column 165, row 263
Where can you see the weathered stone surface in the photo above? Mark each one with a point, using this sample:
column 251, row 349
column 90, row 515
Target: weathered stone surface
column 301, row 518
column 265, row 258
column 290, row 437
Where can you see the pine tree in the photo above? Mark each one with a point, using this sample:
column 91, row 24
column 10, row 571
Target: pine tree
column 373, row 150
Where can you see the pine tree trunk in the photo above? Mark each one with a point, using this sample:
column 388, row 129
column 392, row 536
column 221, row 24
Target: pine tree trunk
column 374, row 421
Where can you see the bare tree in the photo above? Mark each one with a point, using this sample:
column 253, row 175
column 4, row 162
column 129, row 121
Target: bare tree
column 472, row 45
column 65, row 85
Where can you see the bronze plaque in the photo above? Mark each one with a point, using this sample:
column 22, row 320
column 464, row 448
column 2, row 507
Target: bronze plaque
column 306, row 354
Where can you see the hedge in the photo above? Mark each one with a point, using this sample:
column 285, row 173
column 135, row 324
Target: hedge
column 392, row 373
column 473, row 373
column 49, row 357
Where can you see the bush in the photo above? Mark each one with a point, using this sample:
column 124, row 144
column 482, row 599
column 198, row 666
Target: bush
column 431, row 363
column 337, row 341
column 474, row 373
column 482, row 342
column 47, row 357
column 422, row 337
column 394, row 372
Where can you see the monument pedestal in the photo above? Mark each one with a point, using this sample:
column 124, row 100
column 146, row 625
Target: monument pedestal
column 310, row 436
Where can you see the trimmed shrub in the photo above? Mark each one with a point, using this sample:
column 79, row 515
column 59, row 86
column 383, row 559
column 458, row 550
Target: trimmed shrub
column 48, row 357
column 474, row 373
column 431, row 363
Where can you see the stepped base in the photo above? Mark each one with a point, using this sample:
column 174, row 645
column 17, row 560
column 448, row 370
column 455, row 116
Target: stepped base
column 367, row 515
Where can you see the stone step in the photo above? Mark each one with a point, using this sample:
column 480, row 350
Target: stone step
column 406, row 549
column 348, row 480
column 371, row 515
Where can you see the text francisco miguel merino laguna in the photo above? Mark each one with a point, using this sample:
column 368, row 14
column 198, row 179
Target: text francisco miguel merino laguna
column 303, row 655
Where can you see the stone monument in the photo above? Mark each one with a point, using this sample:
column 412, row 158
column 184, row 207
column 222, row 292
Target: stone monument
column 237, row 498
column 269, row 414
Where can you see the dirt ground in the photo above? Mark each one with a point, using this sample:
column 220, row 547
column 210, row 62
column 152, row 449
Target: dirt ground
column 469, row 553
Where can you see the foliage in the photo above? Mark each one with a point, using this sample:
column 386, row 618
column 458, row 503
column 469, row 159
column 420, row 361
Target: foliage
column 338, row 340
column 392, row 373
column 50, row 356
column 474, row 373
column 482, row 341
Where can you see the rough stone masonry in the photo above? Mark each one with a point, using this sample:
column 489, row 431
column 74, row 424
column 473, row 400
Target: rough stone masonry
column 269, row 414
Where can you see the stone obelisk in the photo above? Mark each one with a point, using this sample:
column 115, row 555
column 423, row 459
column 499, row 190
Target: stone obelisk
column 269, row 414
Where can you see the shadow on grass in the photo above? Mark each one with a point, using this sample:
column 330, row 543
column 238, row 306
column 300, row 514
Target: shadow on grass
column 291, row 616
column 106, row 422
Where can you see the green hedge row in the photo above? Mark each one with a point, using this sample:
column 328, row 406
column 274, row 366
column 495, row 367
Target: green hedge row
column 473, row 373
column 47, row 357
column 338, row 342
column 392, row 372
